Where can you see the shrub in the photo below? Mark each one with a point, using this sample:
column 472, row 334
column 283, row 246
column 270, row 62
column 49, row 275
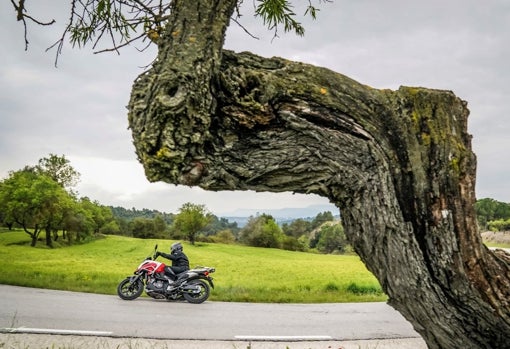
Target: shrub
column 363, row 289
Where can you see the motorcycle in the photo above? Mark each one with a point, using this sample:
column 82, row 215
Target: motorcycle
column 193, row 285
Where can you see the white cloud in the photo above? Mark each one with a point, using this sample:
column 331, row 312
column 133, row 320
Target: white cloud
column 78, row 109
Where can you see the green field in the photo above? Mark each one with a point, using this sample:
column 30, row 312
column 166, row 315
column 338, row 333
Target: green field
column 243, row 274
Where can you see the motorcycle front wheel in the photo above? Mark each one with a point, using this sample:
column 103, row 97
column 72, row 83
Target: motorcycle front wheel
column 196, row 291
column 128, row 290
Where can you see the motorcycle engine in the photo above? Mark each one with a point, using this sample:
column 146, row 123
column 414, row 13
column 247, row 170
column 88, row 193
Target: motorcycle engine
column 156, row 285
column 155, row 289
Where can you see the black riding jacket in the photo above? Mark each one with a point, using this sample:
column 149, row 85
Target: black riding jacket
column 179, row 259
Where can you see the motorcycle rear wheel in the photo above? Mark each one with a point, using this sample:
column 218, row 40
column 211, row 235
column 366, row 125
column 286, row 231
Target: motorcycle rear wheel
column 129, row 291
column 199, row 295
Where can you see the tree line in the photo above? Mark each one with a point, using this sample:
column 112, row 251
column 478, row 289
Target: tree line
column 493, row 215
column 194, row 222
column 40, row 199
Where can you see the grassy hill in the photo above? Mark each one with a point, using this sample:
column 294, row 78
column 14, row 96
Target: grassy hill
column 243, row 274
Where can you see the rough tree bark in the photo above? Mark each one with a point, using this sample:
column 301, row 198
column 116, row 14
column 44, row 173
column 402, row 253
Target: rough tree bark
column 398, row 164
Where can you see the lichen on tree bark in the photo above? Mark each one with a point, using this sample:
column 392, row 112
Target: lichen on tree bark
column 398, row 164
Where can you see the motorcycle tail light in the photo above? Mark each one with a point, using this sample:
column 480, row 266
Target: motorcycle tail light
column 206, row 273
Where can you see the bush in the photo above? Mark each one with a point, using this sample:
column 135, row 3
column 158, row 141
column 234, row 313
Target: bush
column 331, row 287
column 224, row 236
column 363, row 289
column 499, row 225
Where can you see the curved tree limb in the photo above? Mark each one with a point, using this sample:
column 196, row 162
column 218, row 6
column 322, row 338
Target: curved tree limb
column 398, row 164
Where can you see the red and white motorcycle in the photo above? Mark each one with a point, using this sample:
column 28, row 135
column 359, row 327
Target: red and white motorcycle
column 193, row 285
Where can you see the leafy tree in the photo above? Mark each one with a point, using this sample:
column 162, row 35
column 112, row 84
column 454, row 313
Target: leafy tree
column 130, row 214
column 292, row 243
column 499, row 225
column 262, row 231
column 159, row 226
column 59, row 169
column 111, row 228
column 331, row 237
column 35, row 202
column 191, row 220
column 253, row 227
column 78, row 225
column 219, row 224
column 123, row 226
column 322, row 218
column 99, row 214
column 142, row 228
column 271, row 236
column 40, row 199
column 488, row 210
column 297, row 228
column 8, row 222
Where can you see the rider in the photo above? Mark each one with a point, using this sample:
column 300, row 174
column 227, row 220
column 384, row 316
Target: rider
column 179, row 260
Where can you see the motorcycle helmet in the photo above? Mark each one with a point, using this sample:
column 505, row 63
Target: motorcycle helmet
column 176, row 247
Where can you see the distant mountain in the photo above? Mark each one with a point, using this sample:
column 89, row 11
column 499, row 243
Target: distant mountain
column 281, row 215
column 293, row 212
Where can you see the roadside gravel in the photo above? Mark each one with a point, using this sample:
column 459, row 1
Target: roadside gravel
column 38, row 341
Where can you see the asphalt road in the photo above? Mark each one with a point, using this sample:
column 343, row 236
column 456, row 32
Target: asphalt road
column 30, row 310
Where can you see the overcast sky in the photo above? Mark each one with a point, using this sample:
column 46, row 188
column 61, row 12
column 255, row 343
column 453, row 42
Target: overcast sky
column 78, row 109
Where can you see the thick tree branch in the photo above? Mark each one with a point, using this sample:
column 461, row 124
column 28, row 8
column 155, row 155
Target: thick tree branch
column 398, row 164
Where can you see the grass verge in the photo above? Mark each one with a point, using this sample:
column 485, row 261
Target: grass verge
column 243, row 274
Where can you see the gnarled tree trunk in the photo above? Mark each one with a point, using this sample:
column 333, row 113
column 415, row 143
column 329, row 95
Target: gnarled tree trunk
column 398, row 164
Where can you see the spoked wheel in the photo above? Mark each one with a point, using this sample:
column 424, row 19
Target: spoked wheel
column 128, row 290
column 196, row 291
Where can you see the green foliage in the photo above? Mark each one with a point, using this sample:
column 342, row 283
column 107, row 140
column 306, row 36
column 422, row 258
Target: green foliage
column 262, row 231
column 99, row 214
column 224, row 236
column 35, row 202
column 80, row 218
column 130, row 214
column 299, row 235
column 276, row 12
column 59, row 169
column 279, row 12
column 145, row 228
column 142, row 228
column 489, row 210
column 121, row 23
column 499, row 225
column 354, row 288
column 159, row 226
column 110, row 228
column 322, row 218
column 331, row 238
column 242, row 273
column 270, row 235
column 331, row 287
column 191, row 220
column 99, row 17
column 297, row 228
column 217, row 225
column 290, row 243
column 38, row 198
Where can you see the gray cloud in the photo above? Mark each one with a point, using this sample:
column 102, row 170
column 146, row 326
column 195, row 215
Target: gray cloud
column 78, row 109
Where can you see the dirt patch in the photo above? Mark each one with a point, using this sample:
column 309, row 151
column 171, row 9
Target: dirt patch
column 497, row 237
